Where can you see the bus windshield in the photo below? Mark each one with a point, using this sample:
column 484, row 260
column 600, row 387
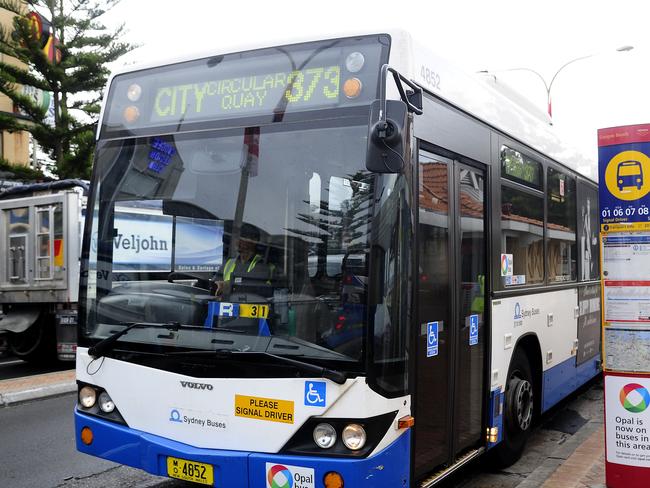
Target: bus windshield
column 256, row 238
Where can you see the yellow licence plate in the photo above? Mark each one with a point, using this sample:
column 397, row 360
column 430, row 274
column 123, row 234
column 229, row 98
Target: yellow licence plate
column 190, row 471
column 253, row 311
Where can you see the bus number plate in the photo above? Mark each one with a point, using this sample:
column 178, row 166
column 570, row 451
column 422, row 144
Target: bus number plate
column 190, row 471
column 253, row 311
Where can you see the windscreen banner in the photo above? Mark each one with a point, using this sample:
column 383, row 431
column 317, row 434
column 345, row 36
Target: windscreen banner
column 145, row 242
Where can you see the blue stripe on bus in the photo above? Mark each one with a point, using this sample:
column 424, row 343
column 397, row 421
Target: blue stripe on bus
column 564, row 378
column 239, row 469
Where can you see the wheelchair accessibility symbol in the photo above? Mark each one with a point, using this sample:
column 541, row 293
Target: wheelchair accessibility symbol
column 315, row 393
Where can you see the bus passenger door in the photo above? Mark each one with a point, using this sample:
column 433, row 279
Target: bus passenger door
column 450, row 364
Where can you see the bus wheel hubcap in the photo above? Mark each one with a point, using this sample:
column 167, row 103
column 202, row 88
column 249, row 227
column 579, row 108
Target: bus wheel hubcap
column 523, row 403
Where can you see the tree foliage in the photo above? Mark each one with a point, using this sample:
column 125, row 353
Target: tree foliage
column 18, row 172
column 75, row 82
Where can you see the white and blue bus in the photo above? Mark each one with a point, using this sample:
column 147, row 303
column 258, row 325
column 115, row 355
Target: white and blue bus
column 423, row 280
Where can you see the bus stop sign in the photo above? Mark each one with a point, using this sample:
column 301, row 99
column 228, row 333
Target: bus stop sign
column 624, row 171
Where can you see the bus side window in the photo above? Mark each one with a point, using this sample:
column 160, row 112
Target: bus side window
column 522, row 232
column 588, row 233
column 522, row 219
column 561, row 227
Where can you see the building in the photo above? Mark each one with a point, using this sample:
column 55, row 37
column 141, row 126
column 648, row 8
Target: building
column 14, row 148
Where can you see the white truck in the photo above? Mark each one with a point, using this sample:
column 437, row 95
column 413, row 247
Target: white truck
column 40, row 246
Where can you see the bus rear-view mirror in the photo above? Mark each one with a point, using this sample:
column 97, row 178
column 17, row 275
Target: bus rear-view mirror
column 386, row 138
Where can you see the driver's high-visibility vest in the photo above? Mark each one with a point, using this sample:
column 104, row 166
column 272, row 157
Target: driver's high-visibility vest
column 478, row 304
column 232, row 263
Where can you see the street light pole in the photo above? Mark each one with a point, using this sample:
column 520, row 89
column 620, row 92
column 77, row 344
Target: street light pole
column 548, row 86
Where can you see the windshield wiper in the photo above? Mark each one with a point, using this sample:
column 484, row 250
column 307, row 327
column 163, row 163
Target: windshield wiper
column 105, row 345
column 330, row 374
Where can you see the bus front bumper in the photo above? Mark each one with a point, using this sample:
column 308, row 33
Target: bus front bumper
column 240, row 469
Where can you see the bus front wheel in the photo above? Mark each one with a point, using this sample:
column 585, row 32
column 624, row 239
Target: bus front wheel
column 518, row 411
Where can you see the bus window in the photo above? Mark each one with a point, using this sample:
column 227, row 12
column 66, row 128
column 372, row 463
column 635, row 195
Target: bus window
column 561, row 227
column 340, row 206
column 314, row 215
column 522, row 232
column 588, row 233
column 517, row 167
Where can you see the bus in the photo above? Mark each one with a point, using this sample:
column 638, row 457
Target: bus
column 403, row 276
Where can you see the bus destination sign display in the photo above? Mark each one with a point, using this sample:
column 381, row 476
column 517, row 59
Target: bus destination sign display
column 267, row 83
column 257, row 93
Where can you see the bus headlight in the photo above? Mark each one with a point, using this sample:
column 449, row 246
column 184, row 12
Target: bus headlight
column 319, row 436
column 324, row 436
column 87, row 397
column 354, row 436
column 105, row 403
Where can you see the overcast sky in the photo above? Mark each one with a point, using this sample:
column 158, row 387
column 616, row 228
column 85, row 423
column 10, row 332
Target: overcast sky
column 607, row 89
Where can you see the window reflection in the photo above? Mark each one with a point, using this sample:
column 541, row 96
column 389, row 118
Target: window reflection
column 522, row 232
column 561, row 227
column 307, row 200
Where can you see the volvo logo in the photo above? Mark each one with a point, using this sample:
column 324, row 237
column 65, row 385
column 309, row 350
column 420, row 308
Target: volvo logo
column 196, row 386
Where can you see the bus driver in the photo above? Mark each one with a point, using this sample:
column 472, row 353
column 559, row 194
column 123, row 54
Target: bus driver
column 248, row 270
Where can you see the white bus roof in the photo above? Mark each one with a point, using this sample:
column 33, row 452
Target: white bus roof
column 487, row 99
column 481, row 95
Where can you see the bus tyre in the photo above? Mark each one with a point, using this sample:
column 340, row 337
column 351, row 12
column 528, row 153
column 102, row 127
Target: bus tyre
column 37, row 344
column 518, row 411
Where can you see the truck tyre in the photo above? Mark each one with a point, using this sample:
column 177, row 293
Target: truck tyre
column 518, row 411
column 37, row 344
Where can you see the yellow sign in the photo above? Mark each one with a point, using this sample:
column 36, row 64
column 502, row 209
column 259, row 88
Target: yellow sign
column 253, row 311
column 190, row 471
column 627, row 175
column 625, row 227
column 264, row 409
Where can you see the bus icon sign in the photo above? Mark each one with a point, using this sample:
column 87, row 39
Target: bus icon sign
column 629, row 173
column 473, row 330
column 432, row 339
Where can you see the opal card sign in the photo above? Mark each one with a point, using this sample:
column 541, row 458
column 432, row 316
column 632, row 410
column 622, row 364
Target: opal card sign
column 627, row 422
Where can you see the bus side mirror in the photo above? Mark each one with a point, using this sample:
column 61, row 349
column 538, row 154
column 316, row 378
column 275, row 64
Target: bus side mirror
column 386, row 145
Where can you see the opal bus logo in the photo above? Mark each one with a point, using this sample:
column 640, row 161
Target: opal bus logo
column 518, row 315
column 279, row 477
column 634, row 398
column 285, row 476
column 506, row 265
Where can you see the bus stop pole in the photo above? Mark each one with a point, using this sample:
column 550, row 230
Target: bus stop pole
column 624, row 191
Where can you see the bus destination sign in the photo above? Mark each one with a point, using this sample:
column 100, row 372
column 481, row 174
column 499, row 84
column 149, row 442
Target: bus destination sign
column 261, row 93
column 261, row 83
